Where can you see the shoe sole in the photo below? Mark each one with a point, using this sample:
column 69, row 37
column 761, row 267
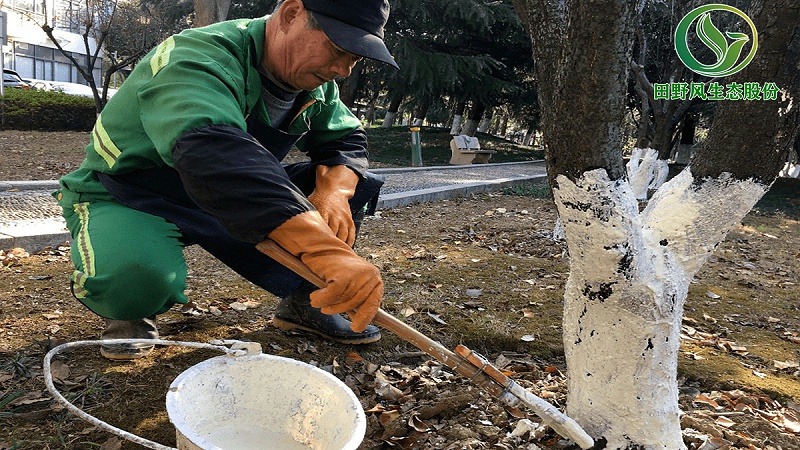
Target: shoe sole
column 291, row 326
column 114, row 356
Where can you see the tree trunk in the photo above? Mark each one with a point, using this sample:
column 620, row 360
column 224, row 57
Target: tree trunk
column 752, row 139
column 391, row 112
column 504, row 126
column 486, row 121
column 630, row 271
column 348, row 90
column 458, row 116
column 419, row 114
column 688, row 130
column 574, row 86
column 207, row 12
column 474, row 117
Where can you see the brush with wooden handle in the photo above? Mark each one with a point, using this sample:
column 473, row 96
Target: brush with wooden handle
column 463, row 361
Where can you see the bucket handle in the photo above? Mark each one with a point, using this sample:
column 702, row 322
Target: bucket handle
column 237, row 348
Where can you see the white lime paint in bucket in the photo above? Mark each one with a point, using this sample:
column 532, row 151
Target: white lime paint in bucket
column 263, row 402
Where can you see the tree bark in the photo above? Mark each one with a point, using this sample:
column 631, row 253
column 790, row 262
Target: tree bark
column 486, row 121
column 207, row 12
column 458, row 116
column 474, row 117
column 752, row 139
column 391, row 112
column 582, row 70
column 419, row 114
column 348, row 90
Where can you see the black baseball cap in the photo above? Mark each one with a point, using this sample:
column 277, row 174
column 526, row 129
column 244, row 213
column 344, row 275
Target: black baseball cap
column 354, row 25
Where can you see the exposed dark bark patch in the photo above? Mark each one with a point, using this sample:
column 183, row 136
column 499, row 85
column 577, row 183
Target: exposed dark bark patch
column 603, row 292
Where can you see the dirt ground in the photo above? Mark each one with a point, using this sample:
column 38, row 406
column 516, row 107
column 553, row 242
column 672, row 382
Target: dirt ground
column 481, row 271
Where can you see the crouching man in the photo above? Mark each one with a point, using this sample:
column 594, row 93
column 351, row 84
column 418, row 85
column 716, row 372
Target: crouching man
column 189, row 151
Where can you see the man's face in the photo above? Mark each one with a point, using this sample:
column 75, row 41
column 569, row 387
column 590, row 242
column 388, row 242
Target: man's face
column 311, row 59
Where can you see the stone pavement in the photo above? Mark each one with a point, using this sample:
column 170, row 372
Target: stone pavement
column 30, row 217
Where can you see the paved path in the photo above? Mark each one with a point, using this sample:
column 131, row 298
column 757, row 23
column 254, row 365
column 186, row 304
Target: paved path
column 30, row 217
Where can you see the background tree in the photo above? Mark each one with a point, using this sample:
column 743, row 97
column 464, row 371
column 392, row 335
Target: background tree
column 207, row 12
column 450, row 49
column 97, row 18
column 630, row 270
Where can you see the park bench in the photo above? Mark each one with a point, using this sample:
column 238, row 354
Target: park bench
column 467, row 150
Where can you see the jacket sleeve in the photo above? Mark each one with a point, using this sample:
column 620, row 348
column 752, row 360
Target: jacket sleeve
column 349, row 150
column 335, row 136
column 238, row 181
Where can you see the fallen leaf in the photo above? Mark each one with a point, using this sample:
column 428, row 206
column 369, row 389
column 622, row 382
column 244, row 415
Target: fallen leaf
column 378, row 408
column 781, row 365
column 53, row 315
column 709, row 319
column 111, row 444
column 724, row 422
column 528, row 314
column 437, row 319
column 528, row 338
column 385, row 389
column 59, row 370
column 524, row 426
column 236, row 306
column 407, row 312
column 388, row 416
column 715, row 443
column 702, row 398
column 417, row 424
column 773, row 320
column 352, row 357
column 712, row 295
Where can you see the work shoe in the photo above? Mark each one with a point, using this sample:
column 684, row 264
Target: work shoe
column 128, row 329
column 295, row 312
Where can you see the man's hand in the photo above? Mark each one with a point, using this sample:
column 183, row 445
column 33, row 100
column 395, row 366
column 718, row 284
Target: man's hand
column 353, row 284
column 335, row 186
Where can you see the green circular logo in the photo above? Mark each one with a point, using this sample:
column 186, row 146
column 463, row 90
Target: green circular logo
column 727, row 53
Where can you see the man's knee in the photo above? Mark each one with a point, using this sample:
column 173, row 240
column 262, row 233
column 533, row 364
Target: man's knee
column 131, row 291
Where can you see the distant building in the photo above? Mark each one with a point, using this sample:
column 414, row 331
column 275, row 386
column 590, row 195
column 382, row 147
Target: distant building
column 31, row 53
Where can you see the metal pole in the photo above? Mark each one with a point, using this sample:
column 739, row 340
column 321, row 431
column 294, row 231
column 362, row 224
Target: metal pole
column 416, row 148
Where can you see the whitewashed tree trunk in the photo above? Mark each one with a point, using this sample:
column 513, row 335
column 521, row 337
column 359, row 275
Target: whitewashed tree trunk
column 646, row 172
column 792, row 167
column 484, row 124
column 629, row 278
column 470, row 127
column 389, row 119
column 455, row 130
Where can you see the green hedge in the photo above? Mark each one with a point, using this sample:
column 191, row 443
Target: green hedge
column 22, row 109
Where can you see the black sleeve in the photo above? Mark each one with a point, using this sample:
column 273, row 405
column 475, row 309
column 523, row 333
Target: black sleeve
column 238, row 181
column 349, row 150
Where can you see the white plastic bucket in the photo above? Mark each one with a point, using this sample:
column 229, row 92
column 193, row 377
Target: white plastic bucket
column 263, row 402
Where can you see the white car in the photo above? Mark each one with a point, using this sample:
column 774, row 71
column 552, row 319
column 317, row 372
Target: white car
column 68, row 88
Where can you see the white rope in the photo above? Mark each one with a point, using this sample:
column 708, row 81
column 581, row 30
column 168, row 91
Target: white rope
column 239, row 348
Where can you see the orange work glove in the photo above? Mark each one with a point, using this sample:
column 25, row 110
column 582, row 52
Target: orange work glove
column 334, row 187
column 353, row 286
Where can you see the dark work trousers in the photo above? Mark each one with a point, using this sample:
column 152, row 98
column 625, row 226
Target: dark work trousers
column 198, row 227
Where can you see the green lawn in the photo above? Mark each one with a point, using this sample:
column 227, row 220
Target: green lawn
column 391, row 147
